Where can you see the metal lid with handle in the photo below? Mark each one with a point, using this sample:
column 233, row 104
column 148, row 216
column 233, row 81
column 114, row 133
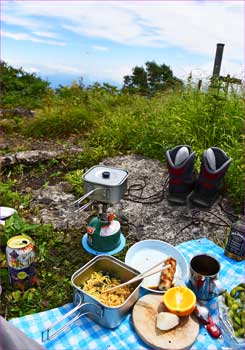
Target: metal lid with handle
column 103, row 175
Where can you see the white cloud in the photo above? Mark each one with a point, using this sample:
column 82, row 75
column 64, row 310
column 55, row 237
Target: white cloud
column 94, row 73
column 46, row 34
column 191, row 25
column 117, row 71
column 32, row 70
column 28, row 37
column 113, row 73
column 60, row 68
column 16, row 20
column 99, row 48
column 204, row 71
column 44, row 68
column 195, row 27
column 235, row 70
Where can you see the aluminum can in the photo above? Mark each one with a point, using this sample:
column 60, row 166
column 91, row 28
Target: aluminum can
column 20, row 255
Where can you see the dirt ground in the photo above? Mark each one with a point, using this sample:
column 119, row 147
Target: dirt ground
column 41, row 173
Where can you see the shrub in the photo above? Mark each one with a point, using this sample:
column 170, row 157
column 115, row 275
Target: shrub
column 21, row 89
column 58, row 122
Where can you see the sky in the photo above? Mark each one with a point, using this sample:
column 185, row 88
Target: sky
column 102, row 41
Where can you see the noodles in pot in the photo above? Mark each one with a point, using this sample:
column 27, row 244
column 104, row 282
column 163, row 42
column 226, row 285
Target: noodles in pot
column 99, row 282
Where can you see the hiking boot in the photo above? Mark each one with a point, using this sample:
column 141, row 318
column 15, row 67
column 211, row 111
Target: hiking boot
column 210, row 182
column 182, row 174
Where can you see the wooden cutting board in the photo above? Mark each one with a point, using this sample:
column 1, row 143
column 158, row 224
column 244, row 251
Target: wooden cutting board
column 144, row 319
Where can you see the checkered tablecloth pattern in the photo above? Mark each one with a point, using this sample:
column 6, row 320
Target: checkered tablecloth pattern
column 86, row 334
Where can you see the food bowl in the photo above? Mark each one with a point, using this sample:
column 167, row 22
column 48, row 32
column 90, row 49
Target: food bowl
column 146, row 253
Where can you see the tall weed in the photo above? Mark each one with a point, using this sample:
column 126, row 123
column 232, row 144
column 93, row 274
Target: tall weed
column 200, row 119
column 116, row 123
column 59, row 122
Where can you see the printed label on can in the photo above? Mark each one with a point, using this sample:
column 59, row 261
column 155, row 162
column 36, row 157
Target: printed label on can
column 23, row 278
column 20, row 259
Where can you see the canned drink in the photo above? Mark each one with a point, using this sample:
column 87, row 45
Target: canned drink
column 21, row 261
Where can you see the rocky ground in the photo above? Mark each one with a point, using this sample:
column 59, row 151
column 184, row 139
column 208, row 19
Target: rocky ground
column 144, row 211
column 37, row 170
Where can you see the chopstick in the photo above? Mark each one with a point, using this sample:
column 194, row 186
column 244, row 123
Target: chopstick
column 139, row 277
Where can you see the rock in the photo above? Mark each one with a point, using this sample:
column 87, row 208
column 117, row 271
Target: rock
column 58, row 210
column 22, row 112
column 144, row 209
column 29, row 157
column 32, row 157
column 35, row 156
column 18, row 111
column 8, row 160
column 28, row 190
column 4, row 145
column 195, row 231
column 160, row 220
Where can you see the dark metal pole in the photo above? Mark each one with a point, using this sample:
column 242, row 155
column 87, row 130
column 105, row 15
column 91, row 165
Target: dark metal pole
column 218, row 60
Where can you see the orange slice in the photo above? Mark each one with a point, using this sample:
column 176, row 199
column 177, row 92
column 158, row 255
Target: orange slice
column 180, row 300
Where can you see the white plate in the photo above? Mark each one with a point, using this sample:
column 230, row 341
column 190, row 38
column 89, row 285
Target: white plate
column 147, row 253
column 6, row 212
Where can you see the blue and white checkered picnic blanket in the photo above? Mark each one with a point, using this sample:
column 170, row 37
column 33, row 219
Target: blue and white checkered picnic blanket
column 86, row 334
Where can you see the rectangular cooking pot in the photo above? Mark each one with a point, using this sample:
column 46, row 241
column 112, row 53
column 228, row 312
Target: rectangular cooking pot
column 106, row 184
column 106, row 316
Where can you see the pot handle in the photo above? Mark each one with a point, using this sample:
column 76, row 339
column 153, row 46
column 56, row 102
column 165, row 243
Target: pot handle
column 81, row 199
column 46, row 333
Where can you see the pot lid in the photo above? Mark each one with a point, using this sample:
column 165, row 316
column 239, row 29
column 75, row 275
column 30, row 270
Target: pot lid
column 104, row 175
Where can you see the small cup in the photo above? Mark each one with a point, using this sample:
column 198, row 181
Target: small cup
column 204, row 271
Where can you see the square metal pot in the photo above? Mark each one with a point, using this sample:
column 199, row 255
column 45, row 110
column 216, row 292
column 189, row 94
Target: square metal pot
column 109, row 184
column 85, row 304
column 106, row 316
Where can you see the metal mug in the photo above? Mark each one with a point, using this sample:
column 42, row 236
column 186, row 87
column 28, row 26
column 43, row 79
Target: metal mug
column 204, row 271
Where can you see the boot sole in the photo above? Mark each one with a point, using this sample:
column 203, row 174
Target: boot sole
column 176, row 200
column 199, row 202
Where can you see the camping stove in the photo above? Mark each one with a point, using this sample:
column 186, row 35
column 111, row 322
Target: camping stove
column 106, row 186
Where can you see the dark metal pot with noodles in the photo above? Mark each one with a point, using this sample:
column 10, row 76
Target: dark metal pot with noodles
column 89, row 283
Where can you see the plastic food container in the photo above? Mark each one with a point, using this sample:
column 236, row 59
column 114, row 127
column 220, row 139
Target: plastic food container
column 226, row 326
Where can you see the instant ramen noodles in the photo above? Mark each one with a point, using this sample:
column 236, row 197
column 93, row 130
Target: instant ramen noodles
column 99, row 282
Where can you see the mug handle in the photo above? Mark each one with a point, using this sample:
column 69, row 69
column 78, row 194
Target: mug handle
column 219, row 287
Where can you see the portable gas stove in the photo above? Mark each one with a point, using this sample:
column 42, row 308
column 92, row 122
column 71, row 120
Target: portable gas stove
column 106, row 186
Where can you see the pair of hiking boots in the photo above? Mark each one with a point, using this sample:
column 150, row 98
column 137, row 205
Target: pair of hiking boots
column 186, row 186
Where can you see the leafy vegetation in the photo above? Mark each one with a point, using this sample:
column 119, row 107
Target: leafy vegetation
column 52, row 268
column 10, row 197
column 75, row 179
column 58, row 256
column 151, row 80
column 21, row 89
column 110, row 122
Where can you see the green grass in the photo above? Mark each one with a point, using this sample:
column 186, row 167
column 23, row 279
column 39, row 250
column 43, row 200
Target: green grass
column 109, row 124
column 12, row 198
column 58, row 122
column 112, row 122
column 189, row 117
column 58, row 256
